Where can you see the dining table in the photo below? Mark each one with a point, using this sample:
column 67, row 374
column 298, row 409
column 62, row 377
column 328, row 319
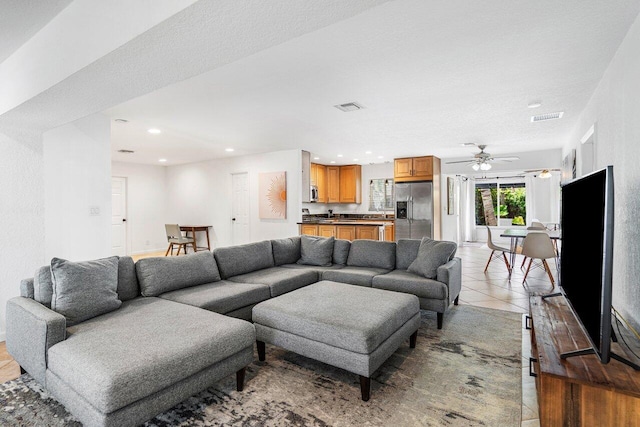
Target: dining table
column 515, row 234
column 197, row 228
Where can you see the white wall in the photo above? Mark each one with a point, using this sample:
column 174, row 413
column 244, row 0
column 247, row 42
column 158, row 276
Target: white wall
column 22, row 213
column 615, row 108
column 200, row 193
column 77, row 178
column 147, row 203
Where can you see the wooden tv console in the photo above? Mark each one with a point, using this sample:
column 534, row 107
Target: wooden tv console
column 579, row 390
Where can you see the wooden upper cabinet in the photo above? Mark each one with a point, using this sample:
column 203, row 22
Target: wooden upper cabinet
column 321, row 182
column 313, row 178
column 351, row 184
column 415, row 168
column 333, row 184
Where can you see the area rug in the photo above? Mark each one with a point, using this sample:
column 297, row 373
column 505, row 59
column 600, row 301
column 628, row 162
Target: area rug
column 466, row 374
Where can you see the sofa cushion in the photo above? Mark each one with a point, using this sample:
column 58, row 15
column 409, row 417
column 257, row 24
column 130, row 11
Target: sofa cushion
column 241, row 259
column 286, row 251
column 128, row 287
column 372, row 253
column 341, row 251
column 222, row 297
column 431, row 255
column 406, row 252
column 361, row 276
column 317, row 268
column 145, row 346
column 85, row 289
column 43, row 285
column 407, row 282
column 280, row 280
column 158, row 275
column 315, row 250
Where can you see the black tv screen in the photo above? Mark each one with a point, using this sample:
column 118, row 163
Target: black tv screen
column 586, row 256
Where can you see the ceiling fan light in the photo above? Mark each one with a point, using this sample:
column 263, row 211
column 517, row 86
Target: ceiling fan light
column 485, row 166
column 475, row 166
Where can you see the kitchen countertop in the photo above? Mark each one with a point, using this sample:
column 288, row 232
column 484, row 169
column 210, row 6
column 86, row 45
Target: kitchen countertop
column 372, row 222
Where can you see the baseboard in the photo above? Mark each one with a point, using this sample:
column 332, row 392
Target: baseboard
column 149, row 251
column 3, row 337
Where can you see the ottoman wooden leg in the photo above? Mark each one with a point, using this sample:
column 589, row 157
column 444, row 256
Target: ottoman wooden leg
column 261, row 351
column 240, row 379
column 412, row 339
column 365, row 387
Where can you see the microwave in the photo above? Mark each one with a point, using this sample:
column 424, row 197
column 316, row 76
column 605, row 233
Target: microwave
column 313, row 193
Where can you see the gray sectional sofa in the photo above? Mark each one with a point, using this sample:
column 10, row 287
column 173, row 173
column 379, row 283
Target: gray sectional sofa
column 118, row 342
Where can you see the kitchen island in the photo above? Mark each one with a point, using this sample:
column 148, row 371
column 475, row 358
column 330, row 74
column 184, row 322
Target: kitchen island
column 349, row 228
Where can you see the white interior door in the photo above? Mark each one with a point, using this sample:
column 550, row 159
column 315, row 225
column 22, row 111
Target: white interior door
column 118, row 216
column 240, row 208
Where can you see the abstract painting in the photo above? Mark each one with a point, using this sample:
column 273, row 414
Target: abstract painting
column 272, row 190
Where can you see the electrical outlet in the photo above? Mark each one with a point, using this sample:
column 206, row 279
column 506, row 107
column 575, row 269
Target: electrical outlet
column 147, row 243
column 94, row 210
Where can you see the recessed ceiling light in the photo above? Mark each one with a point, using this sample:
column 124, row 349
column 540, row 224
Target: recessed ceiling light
column 154, row 131
column 381, row 157
column 367, row 152
column 162, row 160
column 534, row 104
column 316, row 158
column 228, row 150
column 339, row 155
column 355, row 160
column 126, row 151
column 332, row 161
column 121, row 120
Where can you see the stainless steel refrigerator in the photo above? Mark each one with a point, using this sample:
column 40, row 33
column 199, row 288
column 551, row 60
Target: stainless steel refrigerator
column 414, row 210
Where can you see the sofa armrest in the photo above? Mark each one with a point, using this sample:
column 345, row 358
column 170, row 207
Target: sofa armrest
column 451, row 274
column 32, row 329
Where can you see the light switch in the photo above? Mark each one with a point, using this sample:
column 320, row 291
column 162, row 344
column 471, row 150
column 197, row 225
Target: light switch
column 94, row 210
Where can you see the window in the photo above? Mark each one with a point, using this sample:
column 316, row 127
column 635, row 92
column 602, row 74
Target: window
column 380, row 194
column 507, row 209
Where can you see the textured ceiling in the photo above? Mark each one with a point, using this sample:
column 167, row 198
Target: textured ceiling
column 263, row 76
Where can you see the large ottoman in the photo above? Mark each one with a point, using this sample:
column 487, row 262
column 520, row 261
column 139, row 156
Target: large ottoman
column 347, row 326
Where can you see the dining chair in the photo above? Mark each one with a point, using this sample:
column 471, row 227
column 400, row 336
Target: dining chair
column 496, row 248
column 538, row 245
column 175, row 237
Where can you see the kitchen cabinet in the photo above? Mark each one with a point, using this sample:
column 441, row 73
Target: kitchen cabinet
column 327, row 230
column 319, row 179
column 346, row 232
column 416, row 168
column 350, row 184
column 333, row 184
column 309, row 229
column 367, row 232
column 389, row 234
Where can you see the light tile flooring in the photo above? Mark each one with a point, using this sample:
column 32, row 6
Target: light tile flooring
column 492, row 289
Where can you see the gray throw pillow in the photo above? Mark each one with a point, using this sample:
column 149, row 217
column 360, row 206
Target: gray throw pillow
column 316, row 250
column 86, row 289
column 431, row 255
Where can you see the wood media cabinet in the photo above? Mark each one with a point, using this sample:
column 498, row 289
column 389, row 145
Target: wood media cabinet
column 577, row 391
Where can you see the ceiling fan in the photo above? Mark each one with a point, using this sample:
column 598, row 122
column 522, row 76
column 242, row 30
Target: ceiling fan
column 482, row 160
column 544, row 173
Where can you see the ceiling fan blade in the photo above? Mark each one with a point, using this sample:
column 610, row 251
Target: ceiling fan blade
column 543, row 169
column 462, row 161
column 504, row 159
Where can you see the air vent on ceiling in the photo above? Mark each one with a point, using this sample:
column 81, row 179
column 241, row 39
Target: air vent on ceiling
column 126, row 151
column 547, row 116
column 349, row 106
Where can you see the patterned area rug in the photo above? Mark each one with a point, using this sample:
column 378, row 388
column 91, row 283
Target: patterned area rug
column 467, row 374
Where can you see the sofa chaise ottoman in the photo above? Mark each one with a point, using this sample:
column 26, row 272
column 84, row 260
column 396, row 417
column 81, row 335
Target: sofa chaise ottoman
column 347, row 326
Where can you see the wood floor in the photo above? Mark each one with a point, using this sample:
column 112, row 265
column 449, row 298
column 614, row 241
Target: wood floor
column 492, row 289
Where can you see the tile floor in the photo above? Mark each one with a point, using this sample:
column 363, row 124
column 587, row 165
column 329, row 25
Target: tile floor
column 492, row 289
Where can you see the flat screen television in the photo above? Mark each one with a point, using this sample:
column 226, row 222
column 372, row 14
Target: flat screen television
column 586, row 256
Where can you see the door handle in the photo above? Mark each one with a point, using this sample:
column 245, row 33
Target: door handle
column 124, row 220
column 233, row 219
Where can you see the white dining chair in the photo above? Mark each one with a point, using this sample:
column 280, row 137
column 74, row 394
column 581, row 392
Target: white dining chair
column 496, row 251
column 538, row 246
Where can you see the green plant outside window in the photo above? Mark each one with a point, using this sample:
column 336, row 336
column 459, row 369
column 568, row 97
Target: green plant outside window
column 511, row 203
